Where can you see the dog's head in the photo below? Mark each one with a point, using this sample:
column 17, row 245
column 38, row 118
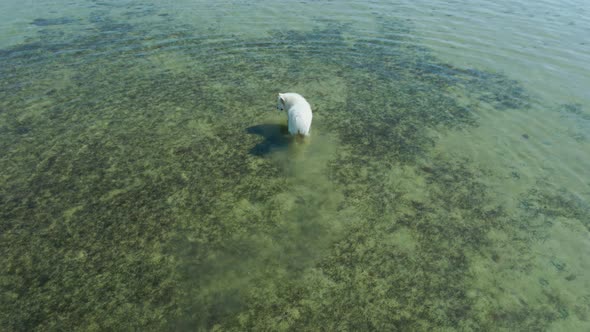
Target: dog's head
column 281, row 101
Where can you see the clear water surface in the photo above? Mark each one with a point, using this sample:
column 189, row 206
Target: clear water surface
column 146, row 181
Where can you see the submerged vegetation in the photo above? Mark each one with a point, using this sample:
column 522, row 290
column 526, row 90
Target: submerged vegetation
column 146, row 184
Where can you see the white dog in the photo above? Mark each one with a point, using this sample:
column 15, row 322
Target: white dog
column 298, row 111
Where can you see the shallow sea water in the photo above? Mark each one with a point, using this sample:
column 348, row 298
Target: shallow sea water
column 147, row 181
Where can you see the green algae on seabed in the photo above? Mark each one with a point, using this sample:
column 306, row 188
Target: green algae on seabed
column 141, row 195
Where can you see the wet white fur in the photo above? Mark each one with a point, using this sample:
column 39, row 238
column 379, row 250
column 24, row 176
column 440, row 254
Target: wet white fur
column 298, row 112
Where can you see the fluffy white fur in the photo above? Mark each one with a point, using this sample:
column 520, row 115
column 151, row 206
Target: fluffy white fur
column 298, row 111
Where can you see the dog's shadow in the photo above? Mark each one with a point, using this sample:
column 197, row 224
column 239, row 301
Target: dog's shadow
column 276, row 137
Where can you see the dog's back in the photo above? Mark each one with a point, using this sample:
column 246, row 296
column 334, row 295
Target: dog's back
column 299, row 113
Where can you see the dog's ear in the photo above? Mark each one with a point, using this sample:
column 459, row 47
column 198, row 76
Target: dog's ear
column 282, row 98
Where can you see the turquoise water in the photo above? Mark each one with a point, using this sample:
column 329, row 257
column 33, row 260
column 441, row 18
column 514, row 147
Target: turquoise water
column 147, row 181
